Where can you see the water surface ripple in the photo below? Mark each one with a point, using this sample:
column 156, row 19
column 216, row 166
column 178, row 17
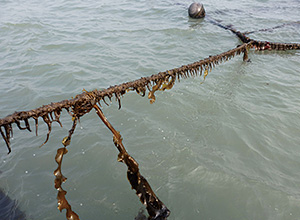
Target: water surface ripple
column 225, row 149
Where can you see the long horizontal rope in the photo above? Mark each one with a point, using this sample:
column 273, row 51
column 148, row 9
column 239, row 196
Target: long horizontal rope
column 84, row 102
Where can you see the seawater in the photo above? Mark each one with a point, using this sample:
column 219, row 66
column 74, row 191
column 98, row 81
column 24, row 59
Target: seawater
column 224, row 149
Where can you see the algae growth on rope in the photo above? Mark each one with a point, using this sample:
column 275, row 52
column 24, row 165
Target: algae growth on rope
column 83, row 103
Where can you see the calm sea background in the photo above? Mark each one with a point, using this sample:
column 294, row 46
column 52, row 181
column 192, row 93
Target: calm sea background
column 227, row 149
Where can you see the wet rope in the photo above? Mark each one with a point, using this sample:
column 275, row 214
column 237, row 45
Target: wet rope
column 83, row 103
column 86, row 101
column 260, row 45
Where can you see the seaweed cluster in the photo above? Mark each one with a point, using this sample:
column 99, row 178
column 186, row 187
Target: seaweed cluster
column 84, row 102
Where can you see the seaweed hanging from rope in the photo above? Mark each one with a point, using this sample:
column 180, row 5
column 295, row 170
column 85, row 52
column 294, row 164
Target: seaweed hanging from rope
column 156, row 208
column 86, row 101
column 83, row 103
column 60, row 178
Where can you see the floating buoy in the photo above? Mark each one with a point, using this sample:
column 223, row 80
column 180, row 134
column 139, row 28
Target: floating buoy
column 196, row 10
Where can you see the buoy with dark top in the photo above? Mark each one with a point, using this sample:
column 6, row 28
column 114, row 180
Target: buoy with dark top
column 196, row 10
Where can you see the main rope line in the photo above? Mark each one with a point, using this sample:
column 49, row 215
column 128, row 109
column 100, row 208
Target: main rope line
column 84, row 102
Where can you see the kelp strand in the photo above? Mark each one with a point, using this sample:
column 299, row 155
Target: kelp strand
column 61, row 194
column 60, row 178
column 156, row 208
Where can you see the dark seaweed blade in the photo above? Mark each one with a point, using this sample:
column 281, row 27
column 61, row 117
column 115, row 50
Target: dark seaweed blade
column 59, row 179
column 156, row 208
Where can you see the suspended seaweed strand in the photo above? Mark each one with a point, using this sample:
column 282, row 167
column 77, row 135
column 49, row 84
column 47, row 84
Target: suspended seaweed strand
column 83, row 103
column 60, row 178
column 156, row 208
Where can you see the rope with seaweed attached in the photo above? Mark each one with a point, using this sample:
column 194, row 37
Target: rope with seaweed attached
column 260, row 45
column 84, row 102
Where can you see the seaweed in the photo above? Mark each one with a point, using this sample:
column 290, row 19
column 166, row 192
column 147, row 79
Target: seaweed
column 86, row 101
column 60, row 178
column 156, row 208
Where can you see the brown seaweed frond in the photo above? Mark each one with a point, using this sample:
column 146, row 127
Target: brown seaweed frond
column 49, row 124
column 155, row 207
column 59, row 179
column 6, row 136
column 79, row 109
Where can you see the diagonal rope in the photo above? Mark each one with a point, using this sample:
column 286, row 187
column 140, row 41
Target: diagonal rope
column 84, row 102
